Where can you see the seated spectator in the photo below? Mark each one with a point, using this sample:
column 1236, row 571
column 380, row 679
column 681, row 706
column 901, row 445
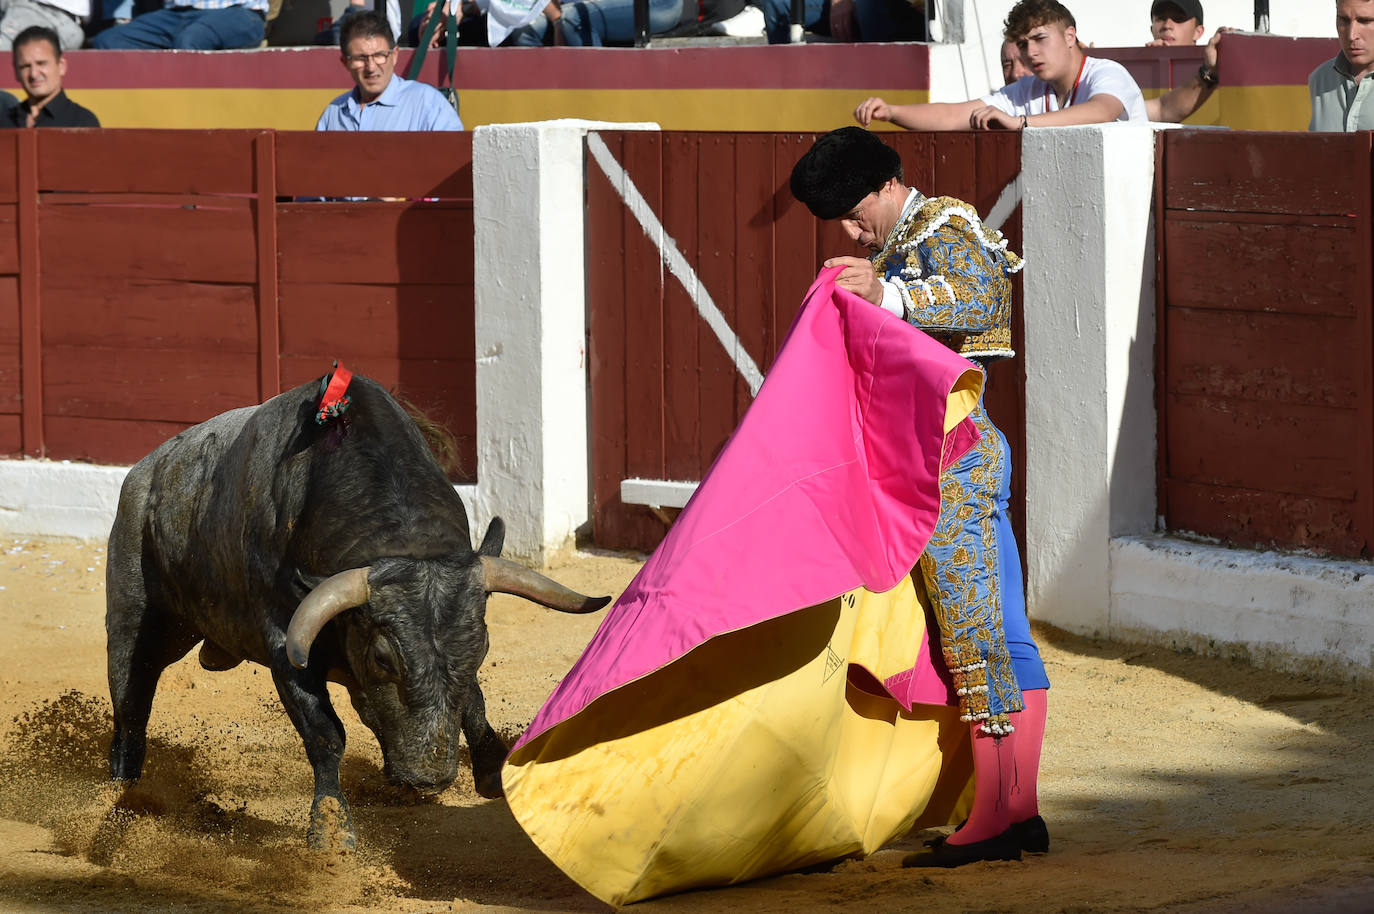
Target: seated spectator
column 65, row 17
column 596, row 22
column 7, row 102
column 849, row 20
column 1175, row 22
column 1340, row 88
column 1067, row 86
column 491, row 23
column 191, row 25
column 381, row 100
column 1013, row 64
column 39, row 67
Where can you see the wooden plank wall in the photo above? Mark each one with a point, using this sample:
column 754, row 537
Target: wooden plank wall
column 171, row 275
column 665, row 394
column 1266, row 349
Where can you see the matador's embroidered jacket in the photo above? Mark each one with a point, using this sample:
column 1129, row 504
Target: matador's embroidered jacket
column 951, row 275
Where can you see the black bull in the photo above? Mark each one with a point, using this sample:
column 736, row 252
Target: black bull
column 323, row 552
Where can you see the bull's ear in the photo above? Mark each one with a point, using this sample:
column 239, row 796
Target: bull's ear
column 302, row 583
column 495, row 538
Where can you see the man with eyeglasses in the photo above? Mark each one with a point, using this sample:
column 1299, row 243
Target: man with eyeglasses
column 381, row 100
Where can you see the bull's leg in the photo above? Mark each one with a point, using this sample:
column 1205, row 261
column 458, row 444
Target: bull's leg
column 141, row 642
column 306, row 700
column 486, row 748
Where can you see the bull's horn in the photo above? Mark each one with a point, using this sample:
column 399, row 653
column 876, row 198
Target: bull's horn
column 503, row 576
column 330, row 597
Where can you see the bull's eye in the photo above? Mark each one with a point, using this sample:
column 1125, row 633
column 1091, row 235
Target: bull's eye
column 383, row 659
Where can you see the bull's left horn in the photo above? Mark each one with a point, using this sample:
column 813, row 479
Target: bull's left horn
column 330, row 597
column 503, row 576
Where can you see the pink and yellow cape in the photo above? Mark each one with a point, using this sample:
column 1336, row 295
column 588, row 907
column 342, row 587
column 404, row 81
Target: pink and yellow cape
column 763, row 695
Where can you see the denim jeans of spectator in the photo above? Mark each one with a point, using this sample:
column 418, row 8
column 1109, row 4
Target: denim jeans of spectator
column 595, row 22
column 777, row 18
column 186, row 30
column 889, row 20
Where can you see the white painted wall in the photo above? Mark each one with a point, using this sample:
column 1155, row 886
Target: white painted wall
column 1089, row 300
column 1287, row 612
column 531, row 330
column 58, row 498
column 962, row 72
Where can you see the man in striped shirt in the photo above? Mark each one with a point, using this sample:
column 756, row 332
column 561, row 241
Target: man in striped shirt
column 191, row 25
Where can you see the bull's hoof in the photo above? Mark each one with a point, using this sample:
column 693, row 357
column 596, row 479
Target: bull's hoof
column 215, row 658
column 331, row 827
column 489, row 785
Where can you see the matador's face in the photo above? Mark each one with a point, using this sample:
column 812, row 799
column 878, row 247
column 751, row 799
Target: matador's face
column 874, row 217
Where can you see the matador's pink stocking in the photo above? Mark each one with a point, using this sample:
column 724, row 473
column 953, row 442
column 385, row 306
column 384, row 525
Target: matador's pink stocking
column 993, row 764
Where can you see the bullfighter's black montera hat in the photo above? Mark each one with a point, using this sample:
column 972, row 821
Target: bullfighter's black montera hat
column 842, row 168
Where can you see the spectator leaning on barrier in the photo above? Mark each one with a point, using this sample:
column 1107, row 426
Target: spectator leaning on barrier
column 191, row 25
column 1067, row 86
column 1340, row 88
column 381, row 100
column 1175, row 22
column 39, row 68
column 65, row 17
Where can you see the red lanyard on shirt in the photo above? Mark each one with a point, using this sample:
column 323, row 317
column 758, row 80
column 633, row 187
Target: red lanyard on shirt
column 1073, row 94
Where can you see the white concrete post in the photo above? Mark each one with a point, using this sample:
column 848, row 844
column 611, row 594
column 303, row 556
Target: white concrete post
column 1089, row 317
column 528, row 187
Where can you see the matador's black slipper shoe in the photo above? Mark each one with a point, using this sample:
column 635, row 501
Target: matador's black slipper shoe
column 944, row 854
column 1032, row 835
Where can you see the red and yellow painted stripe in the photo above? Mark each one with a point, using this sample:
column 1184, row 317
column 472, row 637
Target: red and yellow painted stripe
column 781, row 88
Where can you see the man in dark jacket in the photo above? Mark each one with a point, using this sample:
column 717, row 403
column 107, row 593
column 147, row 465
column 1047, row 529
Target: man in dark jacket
column 39, row 67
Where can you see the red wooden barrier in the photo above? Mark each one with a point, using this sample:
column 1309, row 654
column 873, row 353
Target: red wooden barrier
column 665, row 393
column 150, row 279
column 1266, row 339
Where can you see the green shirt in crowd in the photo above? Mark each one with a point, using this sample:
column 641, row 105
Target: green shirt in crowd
column 1340, row 103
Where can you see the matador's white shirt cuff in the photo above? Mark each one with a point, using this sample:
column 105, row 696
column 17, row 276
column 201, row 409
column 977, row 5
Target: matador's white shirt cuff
column 892, row 299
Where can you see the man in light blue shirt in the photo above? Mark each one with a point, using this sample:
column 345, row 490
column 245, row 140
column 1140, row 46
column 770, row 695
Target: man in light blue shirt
column 381, row 100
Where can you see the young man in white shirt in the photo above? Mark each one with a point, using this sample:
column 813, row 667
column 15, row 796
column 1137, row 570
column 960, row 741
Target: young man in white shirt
column 1067, row 86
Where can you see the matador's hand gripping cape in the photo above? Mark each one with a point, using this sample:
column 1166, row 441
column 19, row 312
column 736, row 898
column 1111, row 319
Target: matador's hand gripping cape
column 753, row 701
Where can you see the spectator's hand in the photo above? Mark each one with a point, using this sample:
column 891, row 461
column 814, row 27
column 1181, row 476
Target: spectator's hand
column 990, row 118
column 859, row 277
column 440, row 31
column 554, row 11
column 1157, row 43
column 842, row 20
column 1210, row 55
column 871, row 109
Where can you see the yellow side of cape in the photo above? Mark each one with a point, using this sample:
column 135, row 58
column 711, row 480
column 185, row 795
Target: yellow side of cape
column 761, row 751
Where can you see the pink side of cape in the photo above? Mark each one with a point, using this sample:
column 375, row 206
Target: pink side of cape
column 829, row 482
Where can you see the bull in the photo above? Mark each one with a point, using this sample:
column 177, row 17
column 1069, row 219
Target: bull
column 324, row 546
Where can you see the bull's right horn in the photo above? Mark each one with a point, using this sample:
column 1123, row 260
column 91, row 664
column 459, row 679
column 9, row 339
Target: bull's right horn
column 330, row 597
column 503, row 576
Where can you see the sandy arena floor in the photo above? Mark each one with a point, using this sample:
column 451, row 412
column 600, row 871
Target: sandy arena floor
column 1171, row 782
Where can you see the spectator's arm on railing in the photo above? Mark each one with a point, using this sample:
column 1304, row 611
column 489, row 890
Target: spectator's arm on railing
column 932, row 116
